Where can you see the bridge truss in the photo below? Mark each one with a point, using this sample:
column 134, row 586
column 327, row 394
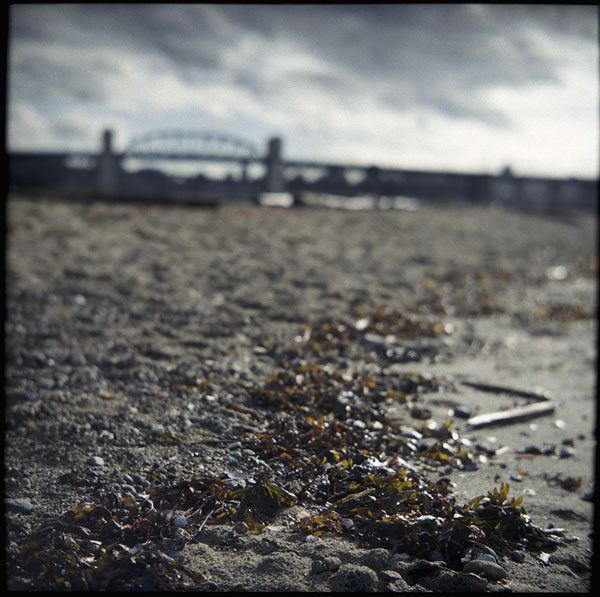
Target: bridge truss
column 192, row 145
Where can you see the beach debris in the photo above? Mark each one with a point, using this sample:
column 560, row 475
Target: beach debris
column 541, row 407
column 544, row 558
column 538, row 394
column 327, row 444
column 106, row 546
column 512, row 415
column 463, row 293
column 568, row 483
column 379, row 333
column 563, row 312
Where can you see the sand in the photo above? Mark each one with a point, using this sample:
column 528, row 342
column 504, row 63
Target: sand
column 105, row 301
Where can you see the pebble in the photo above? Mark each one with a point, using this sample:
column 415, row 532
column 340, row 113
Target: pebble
column 567, row 452
column 518, row 556
column 23, row 505
column 492, row 570
column 180, row 521
column 95, row 461
column 462, row 412
column 137, row 478
column 126, row 488
column 332, row 563
column 317, row 567
column 46, row 383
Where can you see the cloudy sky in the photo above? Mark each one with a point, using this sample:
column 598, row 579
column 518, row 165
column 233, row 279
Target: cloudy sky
column 466, row 88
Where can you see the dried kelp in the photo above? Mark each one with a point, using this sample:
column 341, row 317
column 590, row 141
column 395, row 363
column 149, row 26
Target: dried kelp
column 370, row 335
column 114, row 545
column 564, row 312
column 327, row 443
column 134, row 543
column 462, row 293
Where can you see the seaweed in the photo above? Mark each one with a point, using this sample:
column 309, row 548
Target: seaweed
column 327, row 444
column 106, row 546
column 563, row 312
column 464, row 293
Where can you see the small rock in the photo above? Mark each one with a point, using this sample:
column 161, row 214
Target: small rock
column 492, row 570
column 462, row 412
column 137, row 478
column 531, row 450
column 46, row 382
column 332, row 563
column 241, row 528
column 23, row 505
column 180, row 521
column 518, row 556
column 129, row 489
column 567, row 452
column 95, row 461
column 317, row 567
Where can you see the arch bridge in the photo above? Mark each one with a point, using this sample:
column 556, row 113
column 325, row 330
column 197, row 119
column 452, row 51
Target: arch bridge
column 192, row 145
column 188, row 146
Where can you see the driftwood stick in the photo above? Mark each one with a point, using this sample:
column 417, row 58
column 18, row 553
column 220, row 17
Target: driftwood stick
column 486, row 387
column 513, row 415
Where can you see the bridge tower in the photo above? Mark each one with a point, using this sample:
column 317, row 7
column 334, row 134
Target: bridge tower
column 107, row 182
column 275, row 181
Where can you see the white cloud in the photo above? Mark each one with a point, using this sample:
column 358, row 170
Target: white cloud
column 487, row 90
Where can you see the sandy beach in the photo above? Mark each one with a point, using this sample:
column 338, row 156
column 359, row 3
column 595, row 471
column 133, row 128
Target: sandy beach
column 153, row 353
